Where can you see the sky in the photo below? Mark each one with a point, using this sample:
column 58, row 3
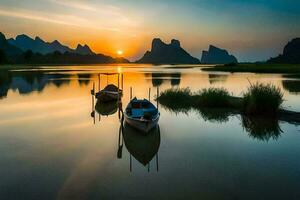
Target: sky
column 251, row 30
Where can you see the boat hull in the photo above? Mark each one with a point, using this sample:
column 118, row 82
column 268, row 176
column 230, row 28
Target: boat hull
column 108, row 96
column 141, row 125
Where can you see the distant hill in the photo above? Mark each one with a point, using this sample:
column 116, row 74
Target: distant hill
column 38, row 45
column 215, row 55
column 10, row 54
column 290, row 55
column 172, row 53
column 7, row 51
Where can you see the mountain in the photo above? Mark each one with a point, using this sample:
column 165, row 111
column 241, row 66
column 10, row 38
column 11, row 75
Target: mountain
column 7, row 51
column 291, row 53
column 172, row 53
column 34, row 52
column 215, row 55
column 83, row 50
column 38, row 45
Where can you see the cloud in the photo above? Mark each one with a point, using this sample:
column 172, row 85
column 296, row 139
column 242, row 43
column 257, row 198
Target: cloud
column 70, row 20
column 75, row 4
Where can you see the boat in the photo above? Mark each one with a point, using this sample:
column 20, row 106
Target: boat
column 109, row 93
column 141, row 114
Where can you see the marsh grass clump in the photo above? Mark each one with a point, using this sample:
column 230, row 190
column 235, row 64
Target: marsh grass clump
column 176, row 99
column 262, row 99
column 212, row 97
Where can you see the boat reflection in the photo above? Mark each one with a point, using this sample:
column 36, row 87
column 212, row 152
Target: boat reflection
column 106, row 108
column 140, row 146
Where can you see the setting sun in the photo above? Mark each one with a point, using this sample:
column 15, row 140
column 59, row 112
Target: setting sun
column 120, row 52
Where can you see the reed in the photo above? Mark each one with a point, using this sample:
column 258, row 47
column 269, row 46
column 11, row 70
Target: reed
column 262, row 99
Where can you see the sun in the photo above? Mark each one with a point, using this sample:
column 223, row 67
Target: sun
column 120, row 52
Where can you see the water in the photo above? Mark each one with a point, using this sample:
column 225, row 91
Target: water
column 52, row 148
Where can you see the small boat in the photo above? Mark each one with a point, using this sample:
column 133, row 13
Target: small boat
column 109, row 93
column 141, row 114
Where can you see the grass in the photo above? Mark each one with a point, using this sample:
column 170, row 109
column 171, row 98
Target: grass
column 177, row 100
column 259, row 99
column 212, row 97
column 256, row 68
column 262, row 99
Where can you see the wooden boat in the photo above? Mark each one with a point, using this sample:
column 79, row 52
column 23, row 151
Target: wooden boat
column 109, row 93
column 141, row 114
column 142, row 147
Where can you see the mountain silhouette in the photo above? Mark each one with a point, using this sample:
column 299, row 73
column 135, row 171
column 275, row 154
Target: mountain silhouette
column 172, row 53
column 83, row 50
column 34, row 51
column 291, row 53
column 8, row 49
column 215, row 55
column 38, row 45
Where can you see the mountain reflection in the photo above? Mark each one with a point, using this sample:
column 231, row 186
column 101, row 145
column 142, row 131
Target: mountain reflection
column 217, row 78
column 27, row 82
column 159, row 78
column 84, row 79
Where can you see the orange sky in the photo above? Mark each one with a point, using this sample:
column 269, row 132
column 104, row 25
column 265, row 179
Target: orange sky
column 251, row 31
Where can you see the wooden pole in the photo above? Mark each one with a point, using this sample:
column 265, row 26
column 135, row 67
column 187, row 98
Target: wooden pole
column 130, row 167
column 157, row 162
column 122, row 79
column 149, row 94
column 157, row 93
column 130, row 93
column 118, row 87
column 99, row 82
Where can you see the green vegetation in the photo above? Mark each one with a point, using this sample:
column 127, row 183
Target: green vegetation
column 212, row 97
column 259, row 99
column 262, row 99
column 256, row 68
column 177, row 100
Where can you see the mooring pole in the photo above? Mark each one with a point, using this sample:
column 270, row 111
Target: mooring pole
column 130, row 163
column 93, row 90
column 130, row 93
column 122, row 79
column 118, row 87
column 99, row 82
column 157, row 162
column 157, row 93
column 149, row 94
